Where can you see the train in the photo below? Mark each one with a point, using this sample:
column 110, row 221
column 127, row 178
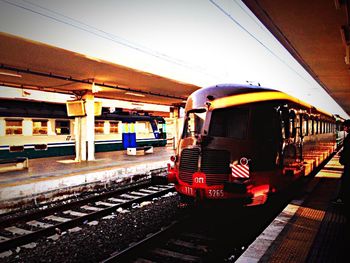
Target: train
column 243, row 143
column 35, row 129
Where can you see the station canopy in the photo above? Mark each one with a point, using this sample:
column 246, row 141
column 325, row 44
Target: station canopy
column 33, row 65
column 317, row 35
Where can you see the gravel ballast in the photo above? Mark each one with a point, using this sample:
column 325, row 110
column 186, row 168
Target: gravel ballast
column 95, row 241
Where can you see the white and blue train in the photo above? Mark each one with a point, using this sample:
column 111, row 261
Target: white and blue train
column 39, row 129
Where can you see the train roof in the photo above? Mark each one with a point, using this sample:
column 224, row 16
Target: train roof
column 223, row 90
column 36, row 109
column 226, row 95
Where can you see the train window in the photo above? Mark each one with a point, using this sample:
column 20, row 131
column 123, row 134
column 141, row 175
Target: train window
column 284, row 118
column 230, row 122
column 291, row 126
column 99, row 127
column 315, row 127
column 310, row 126
column 62, row 127
column 40, row 127
column 144, row 127
column 305, row 123
column 194, row 122
column 323, row 126
column 14, row 127
column 297, row 126
column 40, row 147
column 113, row 127
column 16, row 148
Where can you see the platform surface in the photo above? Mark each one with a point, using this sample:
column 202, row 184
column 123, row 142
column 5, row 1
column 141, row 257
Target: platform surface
column 55, row 173
column 312, row 229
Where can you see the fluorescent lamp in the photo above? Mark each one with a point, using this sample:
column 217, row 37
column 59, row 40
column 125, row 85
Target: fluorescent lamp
column 10, row 74
column 134, row 94
column 95, row 88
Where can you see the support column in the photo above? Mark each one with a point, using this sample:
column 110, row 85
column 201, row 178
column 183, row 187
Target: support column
column 85, row 131
column 79, row 147
column 89, row 128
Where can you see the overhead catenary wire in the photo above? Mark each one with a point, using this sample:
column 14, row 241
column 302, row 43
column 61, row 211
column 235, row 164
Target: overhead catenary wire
column 227, row 14
column 61, row 18
column 251, row 17
column 103, row 34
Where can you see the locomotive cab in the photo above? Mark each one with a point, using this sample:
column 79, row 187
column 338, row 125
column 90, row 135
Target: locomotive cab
column 228, row 153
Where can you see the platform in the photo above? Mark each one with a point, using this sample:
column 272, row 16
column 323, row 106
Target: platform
column 56, row 175
column 309, row 230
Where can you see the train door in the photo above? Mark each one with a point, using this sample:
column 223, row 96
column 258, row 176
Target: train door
column 129, row 135
column 267, row 137
column 154, row 125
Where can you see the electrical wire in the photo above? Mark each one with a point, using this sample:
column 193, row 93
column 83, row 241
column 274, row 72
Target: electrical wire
column 256, row 39
column 103, row 34
column 120, row 40
column 250, row 16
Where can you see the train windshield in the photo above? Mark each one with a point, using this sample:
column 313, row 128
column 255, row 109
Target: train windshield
column 229, row 122
column 194, row 122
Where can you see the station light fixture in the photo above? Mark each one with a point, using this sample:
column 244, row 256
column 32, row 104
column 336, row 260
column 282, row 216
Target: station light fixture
column 95, row 88
column 10, row 74
column 134, row 94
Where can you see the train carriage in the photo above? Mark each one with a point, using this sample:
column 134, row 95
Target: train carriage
column 40, row 129
column 243, row 142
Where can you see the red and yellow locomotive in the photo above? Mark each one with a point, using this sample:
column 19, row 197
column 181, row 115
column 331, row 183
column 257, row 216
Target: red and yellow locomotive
column 243, row 142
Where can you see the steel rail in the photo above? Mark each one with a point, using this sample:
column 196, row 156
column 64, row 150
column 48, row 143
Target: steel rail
column 25, row 239
column 51, row 210
column 130, row 252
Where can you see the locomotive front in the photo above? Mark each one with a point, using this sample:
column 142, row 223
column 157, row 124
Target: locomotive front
column 213, row 155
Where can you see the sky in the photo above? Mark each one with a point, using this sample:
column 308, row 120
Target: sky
column 202, row 42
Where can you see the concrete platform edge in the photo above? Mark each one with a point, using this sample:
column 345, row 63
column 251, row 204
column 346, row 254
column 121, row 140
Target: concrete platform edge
column 27, row 192
column 262, row 243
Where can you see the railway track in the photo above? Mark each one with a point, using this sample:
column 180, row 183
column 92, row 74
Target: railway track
column 166, row 246
column 219, row 234
column 71, row 216
column 202, row 236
